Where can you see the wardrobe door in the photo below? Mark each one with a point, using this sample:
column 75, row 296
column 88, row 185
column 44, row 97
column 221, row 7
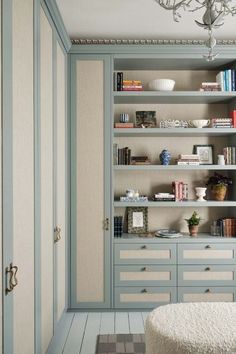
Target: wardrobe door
column 90, row 181
column 46, row 186
column 60, row 230
column 23, row 174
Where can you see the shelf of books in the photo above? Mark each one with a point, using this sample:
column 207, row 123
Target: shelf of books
column 173, row 167
column 188, row 203
column 175, row 132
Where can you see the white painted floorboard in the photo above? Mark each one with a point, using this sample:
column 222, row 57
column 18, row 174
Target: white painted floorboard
column 80, row 331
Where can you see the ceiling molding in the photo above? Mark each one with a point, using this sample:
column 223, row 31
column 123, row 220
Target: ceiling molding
column 149, row 41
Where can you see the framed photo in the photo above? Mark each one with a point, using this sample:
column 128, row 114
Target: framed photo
column 205, row 153
column 137, row 220
column 145, row 119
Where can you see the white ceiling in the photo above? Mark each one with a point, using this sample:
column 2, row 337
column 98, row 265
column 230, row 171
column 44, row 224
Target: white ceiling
column 133, row 19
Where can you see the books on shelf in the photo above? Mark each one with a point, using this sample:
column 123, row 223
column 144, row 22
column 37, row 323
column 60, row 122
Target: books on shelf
column 121, row 156
column 124, row 125
column 226, row 80
column 227, row 227
column 118, row 226
column 140, row 160
column 180, row 190
column 190, row 159
column 120, row 84
column 230, row 155
column 233, row 117
column 222, row 122
column 166, row 197
column 210, row 86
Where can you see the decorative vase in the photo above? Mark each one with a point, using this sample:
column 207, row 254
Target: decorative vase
column 165, row 157
column 218, row 191
column 193, row 230
column 200, row 193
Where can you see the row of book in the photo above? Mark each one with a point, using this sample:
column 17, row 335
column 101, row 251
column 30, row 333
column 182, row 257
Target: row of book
column 227, row 227
column 121, row 156
column 118, row 226
column 164, row 197
column 230, row 155
column 210, row 86
column 226, row 80
column 180, row 190
column 120, row 84
column 222, row 123
column 191, row 159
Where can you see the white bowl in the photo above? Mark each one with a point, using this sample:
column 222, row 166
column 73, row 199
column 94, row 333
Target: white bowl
column 161, row 85
column 199, row 123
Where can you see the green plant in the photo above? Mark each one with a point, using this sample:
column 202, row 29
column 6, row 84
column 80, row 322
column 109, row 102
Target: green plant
column 219, row 180
column 194, row 220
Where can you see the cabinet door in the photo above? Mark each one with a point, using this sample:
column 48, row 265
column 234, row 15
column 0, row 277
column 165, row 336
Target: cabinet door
column 60, row 229
column 90, row 172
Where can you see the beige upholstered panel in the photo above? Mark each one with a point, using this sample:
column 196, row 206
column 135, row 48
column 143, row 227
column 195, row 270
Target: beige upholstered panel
column 90, row 185
column 46, row 183
column 131, row 276
column 1, row 177
column 208, row 297
column 60, row 176
column 23, row 175
column 208, row 275
column 150, row 254
column 208, row 254
column 162, row 297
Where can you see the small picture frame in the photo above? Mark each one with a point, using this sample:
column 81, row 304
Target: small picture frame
column 205, row 153
column 137, row 220
column 145, row 119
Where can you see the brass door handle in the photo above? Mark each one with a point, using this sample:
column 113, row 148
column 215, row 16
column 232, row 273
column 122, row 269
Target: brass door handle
column 207, row 269
column 208, row 291
column 106, row 224
column 144, row 247
column 11, row 273
column 208, row 246
column 144, row 269
column 144, row 291
column 57, row 234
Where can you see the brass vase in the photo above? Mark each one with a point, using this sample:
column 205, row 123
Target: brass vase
column 218, row 191
column 193, row 230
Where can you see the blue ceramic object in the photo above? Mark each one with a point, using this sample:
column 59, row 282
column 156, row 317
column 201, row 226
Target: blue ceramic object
column 165, row 157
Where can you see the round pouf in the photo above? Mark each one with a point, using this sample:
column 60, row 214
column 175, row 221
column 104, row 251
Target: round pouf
column 192, row 328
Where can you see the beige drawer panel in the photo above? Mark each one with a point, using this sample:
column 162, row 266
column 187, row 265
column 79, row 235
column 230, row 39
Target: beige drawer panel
column 208, row 297
column 212, row 294
column 143, row 254
column 208, row 254
column 165, row 297
column 208, row 275
column 124, row 276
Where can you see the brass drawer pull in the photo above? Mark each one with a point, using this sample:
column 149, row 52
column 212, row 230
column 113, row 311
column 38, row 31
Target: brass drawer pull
column 11, row 271
column 208, row 247
column 208, row 291
column 144, row 269
column 57, row 234
column 106, row 224
column 144, row 291
column 207, row 269
column 144, row 247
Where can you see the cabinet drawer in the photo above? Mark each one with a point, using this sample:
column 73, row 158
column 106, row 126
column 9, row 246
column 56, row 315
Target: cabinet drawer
column 144, row 253
column 148, row 297
column 206, row 294
column 207, row 253
column 138, row 275
column 206, row 275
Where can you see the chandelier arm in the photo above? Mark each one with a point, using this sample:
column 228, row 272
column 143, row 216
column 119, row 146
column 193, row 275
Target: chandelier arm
column 172, row 7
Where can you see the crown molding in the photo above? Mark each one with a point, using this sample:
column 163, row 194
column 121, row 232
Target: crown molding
column 149, row 42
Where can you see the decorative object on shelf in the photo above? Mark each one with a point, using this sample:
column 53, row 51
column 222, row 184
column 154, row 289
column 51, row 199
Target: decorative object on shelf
column 221, row 160
column 164, row 197
column 137, row 220
column 213, row 17
column 161, row 85
column 218, row 185
column 145, row 119
column 193, row 223
column 165, row 157
column 129, row 193
column 173, row 123
column 124, row 118
column 215, row 229
column 200, row 193
column 205, row 153
column 141, row 198
column 199, row 123
column 168, row 233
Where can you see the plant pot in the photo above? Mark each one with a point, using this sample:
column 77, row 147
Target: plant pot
column 193, row 230
column 218, row 192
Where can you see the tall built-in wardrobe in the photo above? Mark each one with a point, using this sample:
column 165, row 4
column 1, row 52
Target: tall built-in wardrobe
column 33, row 166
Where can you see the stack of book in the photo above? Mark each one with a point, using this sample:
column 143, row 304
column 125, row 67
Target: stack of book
column 190, row 159
column 180, row 190
column 118, row 81
column 229, row 155
column 132, row 85
column 210, row 86
column 222, row 123
column 227, row 227
column 118, row 226
column 226, row 79
column 166, row 197
column 121, row 156
column 140, row 160
column 124, row 125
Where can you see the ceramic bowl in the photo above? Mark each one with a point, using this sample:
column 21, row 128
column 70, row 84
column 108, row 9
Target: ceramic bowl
column 199, row 123
column 161, row 85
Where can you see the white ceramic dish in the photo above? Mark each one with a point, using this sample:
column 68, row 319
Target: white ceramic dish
column 161, row 85
column 199, row 123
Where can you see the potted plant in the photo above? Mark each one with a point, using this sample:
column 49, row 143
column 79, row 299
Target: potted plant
column 218, row 185
column 193, row 223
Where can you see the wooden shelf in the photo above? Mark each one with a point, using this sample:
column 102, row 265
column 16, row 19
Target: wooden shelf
column 173, row 132
column 168, row 97
column 172, row 167
column 189, row 203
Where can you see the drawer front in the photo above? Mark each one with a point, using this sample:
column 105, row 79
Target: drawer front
column 206, row 275
column 207, row 253
column 148, row 297
column 145, row 254
column 145, row 275
column 206, row 294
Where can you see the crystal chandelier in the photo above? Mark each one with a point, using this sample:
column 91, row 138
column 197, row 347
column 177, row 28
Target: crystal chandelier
column 213, row 17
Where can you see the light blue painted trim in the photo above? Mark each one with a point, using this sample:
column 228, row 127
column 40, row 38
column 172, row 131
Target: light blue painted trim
column 37, row 178
column 68, row 181
column 7, row 173
column 58, row 23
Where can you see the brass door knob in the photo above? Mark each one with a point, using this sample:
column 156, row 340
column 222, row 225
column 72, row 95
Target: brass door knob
column 13, row 281
column 57, row 234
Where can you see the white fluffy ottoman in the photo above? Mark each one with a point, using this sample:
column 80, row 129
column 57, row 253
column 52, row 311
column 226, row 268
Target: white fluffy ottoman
column 196, row 328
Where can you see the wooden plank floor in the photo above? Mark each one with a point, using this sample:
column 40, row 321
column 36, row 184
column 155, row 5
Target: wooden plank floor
column 79, row 335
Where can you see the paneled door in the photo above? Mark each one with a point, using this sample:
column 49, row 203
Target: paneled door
column 90, row 181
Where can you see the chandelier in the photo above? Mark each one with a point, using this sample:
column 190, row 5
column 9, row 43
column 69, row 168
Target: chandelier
column 213, row 17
